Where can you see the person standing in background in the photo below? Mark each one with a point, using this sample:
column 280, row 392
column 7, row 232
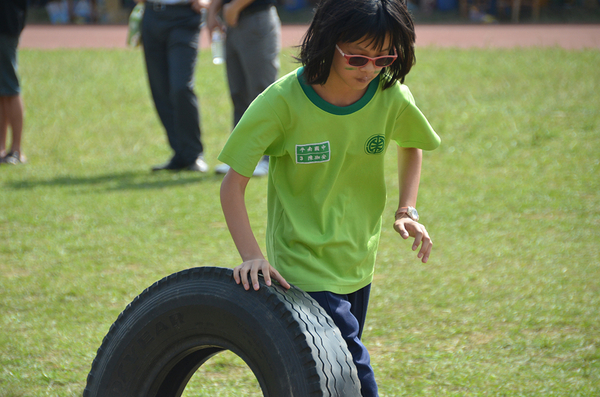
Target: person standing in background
column 13, row 14
column 170, row 37
column 252, row 47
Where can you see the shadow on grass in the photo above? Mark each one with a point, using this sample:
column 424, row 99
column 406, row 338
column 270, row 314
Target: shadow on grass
column 118, row 181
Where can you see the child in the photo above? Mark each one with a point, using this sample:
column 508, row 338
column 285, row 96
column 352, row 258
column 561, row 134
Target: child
column 326, row 127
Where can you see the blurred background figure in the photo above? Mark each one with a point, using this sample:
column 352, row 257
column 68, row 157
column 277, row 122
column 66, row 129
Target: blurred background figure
column 170, row 37
column 12, row 21
column 252, row 46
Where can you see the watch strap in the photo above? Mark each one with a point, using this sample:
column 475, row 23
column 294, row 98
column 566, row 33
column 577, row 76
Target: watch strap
column 408, row 212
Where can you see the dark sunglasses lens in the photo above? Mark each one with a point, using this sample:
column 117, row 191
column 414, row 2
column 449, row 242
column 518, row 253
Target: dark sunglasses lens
column 383, row 62
column 357, row 61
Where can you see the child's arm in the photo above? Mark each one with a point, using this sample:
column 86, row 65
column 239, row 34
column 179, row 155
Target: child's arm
column 233, row 191
column 409, row 175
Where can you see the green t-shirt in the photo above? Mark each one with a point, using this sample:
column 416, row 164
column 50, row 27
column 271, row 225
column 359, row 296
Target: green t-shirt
column 326, row 188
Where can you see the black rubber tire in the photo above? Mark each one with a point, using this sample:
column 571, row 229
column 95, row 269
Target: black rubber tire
column 166, row 333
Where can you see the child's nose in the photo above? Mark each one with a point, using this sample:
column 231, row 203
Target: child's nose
column 370, row 66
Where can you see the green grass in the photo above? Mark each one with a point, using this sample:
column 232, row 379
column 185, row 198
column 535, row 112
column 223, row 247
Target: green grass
column 507, row 305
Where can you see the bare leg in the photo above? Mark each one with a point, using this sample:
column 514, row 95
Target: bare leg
column 15, row 120
column 3, row 127
column 11, row 114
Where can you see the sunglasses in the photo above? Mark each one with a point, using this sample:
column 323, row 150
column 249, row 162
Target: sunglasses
column 361, row 60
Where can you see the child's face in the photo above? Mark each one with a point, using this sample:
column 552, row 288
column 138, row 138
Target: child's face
column 357, row 78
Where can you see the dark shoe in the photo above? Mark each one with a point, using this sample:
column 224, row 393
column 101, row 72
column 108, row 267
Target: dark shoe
column 169, row 166
column 198, row 166
column 14, row 158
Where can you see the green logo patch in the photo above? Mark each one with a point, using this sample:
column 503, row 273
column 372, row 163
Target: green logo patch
column 375, row 144
column 313, row 153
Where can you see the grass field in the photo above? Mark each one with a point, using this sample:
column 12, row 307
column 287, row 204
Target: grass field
column 507, row 306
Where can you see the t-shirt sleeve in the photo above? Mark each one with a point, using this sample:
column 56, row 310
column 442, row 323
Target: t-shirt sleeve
column 413, row 128
column 258, row 132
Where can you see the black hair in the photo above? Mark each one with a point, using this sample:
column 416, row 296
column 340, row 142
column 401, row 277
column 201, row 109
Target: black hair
column 350, row 21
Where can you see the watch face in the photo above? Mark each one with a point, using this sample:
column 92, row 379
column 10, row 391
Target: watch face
column 413, row 214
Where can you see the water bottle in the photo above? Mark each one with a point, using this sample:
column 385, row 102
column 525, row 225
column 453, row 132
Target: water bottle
column 217, row 47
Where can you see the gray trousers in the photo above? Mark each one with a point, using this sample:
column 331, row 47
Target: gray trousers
column 252, row 57
column 170, row 38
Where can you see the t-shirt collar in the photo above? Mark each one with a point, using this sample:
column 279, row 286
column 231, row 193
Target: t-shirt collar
column 328, row 107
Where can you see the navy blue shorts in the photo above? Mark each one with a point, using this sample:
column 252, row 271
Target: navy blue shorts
column 9, row 82
column 349, row 313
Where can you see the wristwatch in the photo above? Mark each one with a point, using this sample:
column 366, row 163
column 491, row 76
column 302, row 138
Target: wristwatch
column 411, row 212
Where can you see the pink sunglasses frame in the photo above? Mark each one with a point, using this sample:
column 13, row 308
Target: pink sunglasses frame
column 374, row 60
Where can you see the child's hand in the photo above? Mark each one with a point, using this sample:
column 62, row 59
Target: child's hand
column 240, row 274
column 406, row 227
